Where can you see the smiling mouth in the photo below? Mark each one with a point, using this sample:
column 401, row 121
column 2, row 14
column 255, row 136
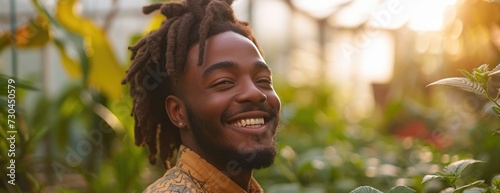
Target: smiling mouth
column 250, row 123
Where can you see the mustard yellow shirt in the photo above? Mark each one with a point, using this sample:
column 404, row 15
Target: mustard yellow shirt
column 194, row 174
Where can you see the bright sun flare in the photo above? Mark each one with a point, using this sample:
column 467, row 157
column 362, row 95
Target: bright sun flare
column 429, row 15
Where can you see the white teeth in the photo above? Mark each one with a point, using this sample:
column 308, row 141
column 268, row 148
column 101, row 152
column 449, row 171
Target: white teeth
column 252, row 122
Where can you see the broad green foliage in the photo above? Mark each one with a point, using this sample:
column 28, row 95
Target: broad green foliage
column 396, row 189
column 458, row 167
column 485, row 83
column 454, row 173
column 401, row 189
column 496, row 182
column 53, row 127
column 365, row 189
column 482, row 82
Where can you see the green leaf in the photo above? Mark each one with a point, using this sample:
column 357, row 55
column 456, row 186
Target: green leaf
column 401, row 189
column 429, row 178
column 456, row 168
column 496, row 110
column 468, row 75
column 481, row 78
column 469, row 187
column 496, row 181
column 462, row 83
column 449, row 178
column 365, row 189
column 25, row 84
column 39, row 133
column 481, row 69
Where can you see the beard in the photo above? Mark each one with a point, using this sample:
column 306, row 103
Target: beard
column 254, row 158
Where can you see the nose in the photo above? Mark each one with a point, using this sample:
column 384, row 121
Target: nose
column 251, row 93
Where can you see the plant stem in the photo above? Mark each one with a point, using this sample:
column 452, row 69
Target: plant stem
column 485, row 88
column 492, row 100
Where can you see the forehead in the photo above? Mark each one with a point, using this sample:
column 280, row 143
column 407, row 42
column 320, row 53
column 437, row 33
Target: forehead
column 226, row 46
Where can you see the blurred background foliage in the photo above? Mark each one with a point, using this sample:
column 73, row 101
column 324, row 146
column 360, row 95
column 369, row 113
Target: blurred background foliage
column 351, row 75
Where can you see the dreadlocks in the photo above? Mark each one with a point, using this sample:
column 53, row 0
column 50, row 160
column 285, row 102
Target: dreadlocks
column 164, row 52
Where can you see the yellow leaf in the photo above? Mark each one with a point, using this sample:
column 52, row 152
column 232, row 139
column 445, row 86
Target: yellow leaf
column 71, row 66
column 105, row 72
column 155, row 22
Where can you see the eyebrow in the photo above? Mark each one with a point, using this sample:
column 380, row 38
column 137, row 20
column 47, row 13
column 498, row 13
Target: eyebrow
column 259, row 65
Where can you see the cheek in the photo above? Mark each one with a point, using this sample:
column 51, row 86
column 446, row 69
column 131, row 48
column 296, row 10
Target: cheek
column 211, row 105
column 274, row 100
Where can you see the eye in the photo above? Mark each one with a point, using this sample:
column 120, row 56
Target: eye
column 265, row 82
column 223, row 84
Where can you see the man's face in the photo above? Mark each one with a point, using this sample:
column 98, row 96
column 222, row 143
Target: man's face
column 232, row 108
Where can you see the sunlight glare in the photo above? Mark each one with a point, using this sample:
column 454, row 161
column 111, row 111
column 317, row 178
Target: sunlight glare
column 377, row 59
column 319, row 8
column 429, row 15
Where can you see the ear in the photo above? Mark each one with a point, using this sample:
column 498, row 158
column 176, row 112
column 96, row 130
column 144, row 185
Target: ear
column 176, row 111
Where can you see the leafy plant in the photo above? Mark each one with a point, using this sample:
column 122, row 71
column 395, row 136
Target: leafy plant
column 23, row 177
column 85, row 113
column 453, row 173
column 486, row 84
column 481, row 81
column 84, row 48
column 396, row 189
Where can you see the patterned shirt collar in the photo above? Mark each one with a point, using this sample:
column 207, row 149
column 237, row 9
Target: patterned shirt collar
column 209, row 177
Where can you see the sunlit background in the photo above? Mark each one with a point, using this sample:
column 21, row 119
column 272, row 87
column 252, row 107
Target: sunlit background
column 351, row 74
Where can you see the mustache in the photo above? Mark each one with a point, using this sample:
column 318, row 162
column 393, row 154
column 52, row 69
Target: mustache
column 273, row 113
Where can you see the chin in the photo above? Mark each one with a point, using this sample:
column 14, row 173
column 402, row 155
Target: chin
column 258, row 157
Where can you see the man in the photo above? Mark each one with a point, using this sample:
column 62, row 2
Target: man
column 200, row 87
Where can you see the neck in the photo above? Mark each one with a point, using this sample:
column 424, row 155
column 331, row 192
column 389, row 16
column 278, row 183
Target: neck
column 238, row 175
column 234, row 171
column 231, row 168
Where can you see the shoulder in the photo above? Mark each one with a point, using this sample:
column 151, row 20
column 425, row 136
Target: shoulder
column 175, row 180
